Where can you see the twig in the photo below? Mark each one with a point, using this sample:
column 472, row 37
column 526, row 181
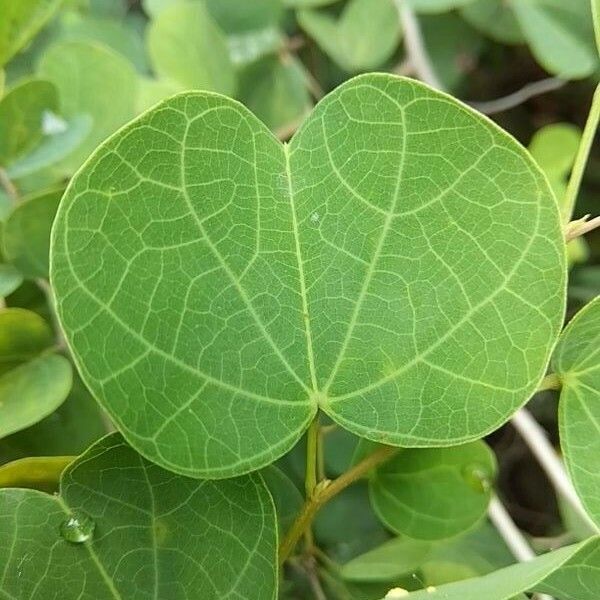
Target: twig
column 511, row 535
column 517, row 98
column 415, row 47
column 8, row 185
column 580, row 227
column 535, row 437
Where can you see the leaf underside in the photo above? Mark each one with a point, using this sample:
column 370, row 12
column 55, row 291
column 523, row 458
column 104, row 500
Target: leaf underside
column 399, row 265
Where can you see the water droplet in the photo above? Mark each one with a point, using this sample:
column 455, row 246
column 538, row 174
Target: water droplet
column 78, row 528
column 477, row 477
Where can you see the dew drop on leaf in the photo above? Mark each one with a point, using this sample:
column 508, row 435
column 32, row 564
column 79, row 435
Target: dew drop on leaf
column 477, row 477
column 78, row 528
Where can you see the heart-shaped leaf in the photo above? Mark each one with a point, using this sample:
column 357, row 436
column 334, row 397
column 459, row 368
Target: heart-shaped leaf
column 124, row 528
column 577, row 363
column 399, row 264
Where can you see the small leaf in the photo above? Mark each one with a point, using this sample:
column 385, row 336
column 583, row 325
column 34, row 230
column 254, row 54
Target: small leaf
column 432, row 494
column 81, row 72
column 21, row 20
column 387, row 562
column 577, row 363
column 287, row 498
column 21, row 117
column 32, row 391
column 37, row 473
column 26, row 234
column 233, row 16
column 570, row 573
column 10, row 279
column 437, row 6
column 364, row 37
column 186, row 46
column 197, row 264
column 131, row 530
column 494, row 18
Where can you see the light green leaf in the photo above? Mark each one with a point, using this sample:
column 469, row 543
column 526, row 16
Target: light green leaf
column 437, row 6
column 33, row 390
column 233, row 16
column 570, row 573
column 21, row 117
column 245, row 48
column 21, row 20
column 559, row 35
column 81, row 72
column 152, row 91
column 307, row 3
column 434, row 493
column 287, row 498
column 26, row 233
column 577, row 363
column 37, row 473
column 388, row 561
column 362, row 38
column 2, row 82
column 596, row 18
column 411, row 218
column 495, row 19
column 10, row 279
column 275, row 90
column 124, row 528
column 186, row 46
column 23, row 335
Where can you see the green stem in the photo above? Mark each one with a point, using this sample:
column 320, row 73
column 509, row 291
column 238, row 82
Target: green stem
column 582, row 157
column 324, row 492
column 550, row 382
column 312, row 442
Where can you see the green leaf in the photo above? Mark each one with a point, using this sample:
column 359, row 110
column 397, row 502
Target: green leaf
column 570, row 573
column 577, row 363
column 186, row 46
column 152, row 91
column 81, row 72
column 596, row 19
column 362, row 38
column 559, row 35
column 233, row 16
column 307, row 3
column 437, row 6
column 21, row 20
column 10, row 279
column 37, row 473
column 411, row 218
column 32, row 391
column 287, row 498
column 387, row 562
column 434, row 493
column 21, row 117
column 131, row 530
column 23, row 336
column 275, row 90
column 494, row 18
column 26, row 234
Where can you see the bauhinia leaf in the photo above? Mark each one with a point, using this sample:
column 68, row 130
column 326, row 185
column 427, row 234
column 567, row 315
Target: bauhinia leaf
column 434, row 493
column 577, row 363
column 570, row 573
column 35, row 472
column 217, row 287
column 124, row 528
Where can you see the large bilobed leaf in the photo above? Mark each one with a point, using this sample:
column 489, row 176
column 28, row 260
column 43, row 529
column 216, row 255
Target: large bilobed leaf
column 21, row 20
column 21, row 117
column 570, row 573
column 26, row 233
column 186, row 46
column 155, row 534
column 496, row 19
column 362, row 38
column 434, row 493
column 577, row 363
column 559, row 34
column 88, row 77
column 399, row 264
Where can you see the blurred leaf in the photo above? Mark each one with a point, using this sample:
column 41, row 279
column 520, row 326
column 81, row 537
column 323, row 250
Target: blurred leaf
column 73, row 427
column 37, row 473
column 387, row 562
column 570, row 573
column 23, row 335
column 186, row 46
column 584, row 283
column 33, row 390
column 576, row 361
column 437, row 6
column 152, row 91
column 10, row 279
column 362, row 38
column 435, row 493
column 108, row 8
column 21, row 117
column 287, row 498
column 274, row 89
column 2, row 82
column 596, row 18
column 308, row 3
column 124, row 528
column 233, row 16
column 21, row 20
column 559, row 34
column 26, row 234
column 88, row 77
column 52, row 149
column 244, row 48
column 495, row 19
